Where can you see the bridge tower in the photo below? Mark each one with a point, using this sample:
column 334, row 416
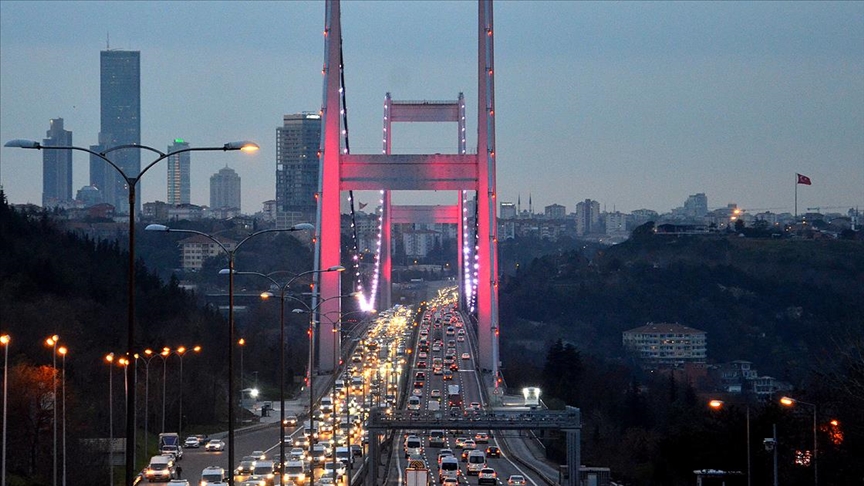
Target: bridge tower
column 341, row 171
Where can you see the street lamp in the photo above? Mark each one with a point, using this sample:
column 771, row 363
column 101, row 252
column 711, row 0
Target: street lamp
column 62, row 350
column 52, row 343
column 148, row 356
column 230, row 253
column 109, row 358
column 241, row 342
column 181, row 351
column 789, row 402
column 4, row 340
column 311, row 311
column 717, row 405
column 166, row 352
column 283, row 288
column 131, row 183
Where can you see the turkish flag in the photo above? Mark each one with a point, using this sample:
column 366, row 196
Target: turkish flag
column 802, row 179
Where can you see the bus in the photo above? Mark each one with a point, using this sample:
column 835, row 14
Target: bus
column 454, row 398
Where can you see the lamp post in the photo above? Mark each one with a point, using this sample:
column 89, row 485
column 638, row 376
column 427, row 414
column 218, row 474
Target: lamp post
column 230, row 253
column 148, row 356
column 131, row 183
column 52, row 343
column 789, row 402
column 109, row 358
column 241, row 342
column 311, row 311
column 718, row 404
column 4, row 340
column 283, row 289
column 166, row 352
column 63, row 350
column 181, row 351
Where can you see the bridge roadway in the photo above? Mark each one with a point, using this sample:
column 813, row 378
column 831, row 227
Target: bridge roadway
column 265, row 436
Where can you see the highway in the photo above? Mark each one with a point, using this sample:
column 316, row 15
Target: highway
column 380, row 366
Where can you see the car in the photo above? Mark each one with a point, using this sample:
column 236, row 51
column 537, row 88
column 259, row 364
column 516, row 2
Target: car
column 476, row 406
column 178, row 482
column 289, row 441
column 466, row 356
column 213, row 475
column 470, row 444
column 460, row 339
column 487, row 475
column 260, row 455
column 493, row 451
column 245, row 468
column 435, row 393
column 192, row 442
column 460, row 442
column 444, row 453
column 215, row 445
column 516, row 480
column 291, row 420
column 450, row 482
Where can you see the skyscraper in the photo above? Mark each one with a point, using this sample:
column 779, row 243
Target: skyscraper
column 225, row 189
column 56, row 166
column 120, row 117
column 587, row 217
column 179, row 166
column 297, row 143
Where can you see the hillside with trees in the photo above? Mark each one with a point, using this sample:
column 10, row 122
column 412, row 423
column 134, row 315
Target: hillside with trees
column 792, row 307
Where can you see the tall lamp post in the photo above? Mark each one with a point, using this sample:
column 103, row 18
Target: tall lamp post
column 52, row 343
column 283, row 289
column 718, row 404
column 63, row 350
column 311, row 311
column 4, row 340
column 166, row 352
column 241, row 342
column 109, row 358
column 789, row 402
column 131, row 183
column 148, row 356
column 230, row 253
column 181, row 351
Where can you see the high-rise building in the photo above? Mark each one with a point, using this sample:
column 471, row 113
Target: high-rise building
column 696, row 205
column 587, row 217
column 56, row 166
column 225, row 189
column 297, row 144
column 555, row 211
column 179, row 166
column 120, row 117
column 507, row 211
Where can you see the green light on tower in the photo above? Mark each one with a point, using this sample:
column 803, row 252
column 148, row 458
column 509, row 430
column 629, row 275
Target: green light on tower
column 179, row 140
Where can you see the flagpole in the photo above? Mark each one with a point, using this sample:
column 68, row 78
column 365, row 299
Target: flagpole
column 796, row 198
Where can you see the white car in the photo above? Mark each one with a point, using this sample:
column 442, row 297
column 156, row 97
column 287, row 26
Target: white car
column 516, row 480
column 192, row 442
column 215, row 445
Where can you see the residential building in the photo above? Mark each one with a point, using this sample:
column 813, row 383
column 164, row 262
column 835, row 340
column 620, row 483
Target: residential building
column 587, row 217
column 179, row 176
column 555, row 211
column 120, row 124
column 225, row 189
column 56, row 166
column 696, row 206
column 666, row 345
column 89, row 196
column 616, row 224
column 196, row 249
column 297, row 165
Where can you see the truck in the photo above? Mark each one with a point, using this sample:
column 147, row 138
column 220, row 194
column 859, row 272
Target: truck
column 454, row 398
column 169, row 443
column 417, row 474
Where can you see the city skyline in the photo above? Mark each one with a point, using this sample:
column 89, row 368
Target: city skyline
column 633, row 105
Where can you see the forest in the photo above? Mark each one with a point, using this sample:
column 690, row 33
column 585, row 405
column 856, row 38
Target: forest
column 791, row 307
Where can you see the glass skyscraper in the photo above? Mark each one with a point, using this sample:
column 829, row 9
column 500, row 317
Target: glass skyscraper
column 56, row 166
column 120, row 95
column 179, row 166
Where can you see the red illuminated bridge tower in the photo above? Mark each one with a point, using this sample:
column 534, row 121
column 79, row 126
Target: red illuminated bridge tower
column 387, row 172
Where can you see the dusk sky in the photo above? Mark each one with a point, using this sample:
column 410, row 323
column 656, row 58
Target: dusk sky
column 635, row 105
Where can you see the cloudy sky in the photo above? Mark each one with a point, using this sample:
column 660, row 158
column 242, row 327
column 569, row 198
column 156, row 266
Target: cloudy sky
column 636, row 105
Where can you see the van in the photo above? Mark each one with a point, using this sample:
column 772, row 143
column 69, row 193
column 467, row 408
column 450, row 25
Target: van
column 326, row 405
column 343, row 455
column 213, row 475
column 449, row 468
column 413, row 446
column 413, row 402
column 476, row 462
column 294, row 471
column 436, row 437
